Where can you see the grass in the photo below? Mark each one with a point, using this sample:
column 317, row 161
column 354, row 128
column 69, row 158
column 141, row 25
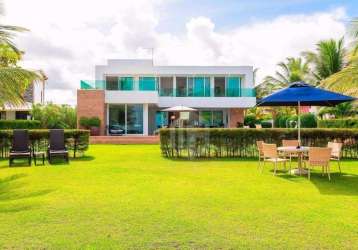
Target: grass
column 131, row 197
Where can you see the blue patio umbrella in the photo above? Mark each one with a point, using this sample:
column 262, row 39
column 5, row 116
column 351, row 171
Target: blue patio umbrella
column 301, row 93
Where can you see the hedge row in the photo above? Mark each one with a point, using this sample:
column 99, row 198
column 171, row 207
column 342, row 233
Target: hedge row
column 19, row 124
column 338, row 123
column 77, row 140
column 308, row 120
column 196, row 143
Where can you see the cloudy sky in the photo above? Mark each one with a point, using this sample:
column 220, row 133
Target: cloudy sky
column 69, row 37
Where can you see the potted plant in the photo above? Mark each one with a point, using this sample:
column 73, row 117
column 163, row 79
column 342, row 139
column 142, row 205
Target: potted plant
column 91, row 123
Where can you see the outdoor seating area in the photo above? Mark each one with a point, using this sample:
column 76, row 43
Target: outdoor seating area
column 309, row 157
column 21, row 147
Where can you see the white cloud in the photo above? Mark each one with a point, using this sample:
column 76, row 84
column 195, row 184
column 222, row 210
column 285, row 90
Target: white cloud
column 69, row 37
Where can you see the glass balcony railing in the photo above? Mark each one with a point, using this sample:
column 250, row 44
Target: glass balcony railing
column 236, row 92
column 178, row 92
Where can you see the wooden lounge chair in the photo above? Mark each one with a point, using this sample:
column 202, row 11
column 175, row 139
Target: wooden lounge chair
column 20, row 146
column 336, row 152
column 319, row 157
column 57, row 146
column 271, row 155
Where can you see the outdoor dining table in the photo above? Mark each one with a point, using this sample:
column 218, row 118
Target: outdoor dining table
column 300, row 151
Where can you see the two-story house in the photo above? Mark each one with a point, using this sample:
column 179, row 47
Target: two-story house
column 131, row 95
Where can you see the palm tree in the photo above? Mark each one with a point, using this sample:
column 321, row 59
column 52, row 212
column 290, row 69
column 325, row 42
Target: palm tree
column 346, row 80
column 13, row 80
column 327, row 60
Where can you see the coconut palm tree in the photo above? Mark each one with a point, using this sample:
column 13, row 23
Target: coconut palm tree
column 327, row 60
column 346, row 80
column 292, row 70
column 13, row 80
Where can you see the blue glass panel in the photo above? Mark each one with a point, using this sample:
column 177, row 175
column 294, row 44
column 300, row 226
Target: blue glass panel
column 233, row 86
column 147, row 83
column 126, row 83
column 199, row 86
column 207, row 86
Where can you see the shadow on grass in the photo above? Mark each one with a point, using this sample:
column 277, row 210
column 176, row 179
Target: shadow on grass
column 217, row 159
column 9, row 192
column 83, row 158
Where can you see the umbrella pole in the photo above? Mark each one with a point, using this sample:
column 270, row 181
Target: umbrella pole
column 299, row 123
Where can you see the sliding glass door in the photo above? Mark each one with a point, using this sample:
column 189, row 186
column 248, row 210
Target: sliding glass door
column 126, row 117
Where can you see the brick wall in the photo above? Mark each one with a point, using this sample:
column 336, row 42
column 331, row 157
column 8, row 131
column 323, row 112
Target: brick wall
column 235, row 115
column 92, row 103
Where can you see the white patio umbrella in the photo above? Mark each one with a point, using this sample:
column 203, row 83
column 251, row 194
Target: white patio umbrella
column 179, row 108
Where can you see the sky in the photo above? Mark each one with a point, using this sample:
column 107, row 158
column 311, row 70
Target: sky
column 68, row 38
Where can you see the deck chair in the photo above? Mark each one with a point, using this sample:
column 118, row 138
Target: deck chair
column 20, row 146
column 57, row 147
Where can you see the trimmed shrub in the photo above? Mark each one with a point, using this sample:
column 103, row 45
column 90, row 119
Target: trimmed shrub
column 77, row 140
column 308, row 120
column 266, row 124
column 338, row 123
column 88, row 122
column 250, row 120
column 238, row 142
column 19, row 124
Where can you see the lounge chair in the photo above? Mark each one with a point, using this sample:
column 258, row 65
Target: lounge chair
column 20, row 146
column 57, row 146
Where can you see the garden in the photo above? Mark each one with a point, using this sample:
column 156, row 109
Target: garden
column 130, row 196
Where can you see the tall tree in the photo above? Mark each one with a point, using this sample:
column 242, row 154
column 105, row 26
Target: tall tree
column 13, row 80
column 327, row 60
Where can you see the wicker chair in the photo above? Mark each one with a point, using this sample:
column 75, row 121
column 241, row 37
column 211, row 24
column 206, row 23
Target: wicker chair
column 270, row 154
column 290, row 143
column 57, row 146
column 319, row 157
column 336, row 152
column 261, row 153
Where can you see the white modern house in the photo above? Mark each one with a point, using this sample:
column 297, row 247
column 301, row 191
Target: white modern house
column 129, row 95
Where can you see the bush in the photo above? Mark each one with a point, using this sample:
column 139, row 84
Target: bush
column 308, row 121
column 266, row 124
column 77, row 140
column 19, row 124
column 88, row 122
column 280, row 121
column 242, row 142
column 53, row 116
column 338, row 123
column 250, row 120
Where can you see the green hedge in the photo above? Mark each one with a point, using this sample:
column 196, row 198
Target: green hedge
column 338, row 123
column 308, row 120
column 19, row 124
column 196, row 143
column 77, row 140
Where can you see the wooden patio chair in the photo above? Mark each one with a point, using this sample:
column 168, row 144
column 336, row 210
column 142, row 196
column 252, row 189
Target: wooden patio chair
column 57, row 147
column 320, row 157
column 336, row 152
column 271, row 155
column 20, row 147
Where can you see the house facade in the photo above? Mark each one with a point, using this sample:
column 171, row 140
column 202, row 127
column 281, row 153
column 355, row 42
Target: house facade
column 129, row 95
column 35, row 94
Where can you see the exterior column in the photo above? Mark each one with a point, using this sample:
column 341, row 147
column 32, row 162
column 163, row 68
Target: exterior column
column 235, row 115
column 212, row 86
column 145, row 119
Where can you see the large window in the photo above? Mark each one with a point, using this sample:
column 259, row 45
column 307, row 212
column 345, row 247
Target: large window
column 127, row 117
column 181, row 86
column 161, row 119
column 233, row 86
column 198, row 86
column 219, row 86
column 211, row 118
column 119, row 83
column 166, row 86
column 147, row 83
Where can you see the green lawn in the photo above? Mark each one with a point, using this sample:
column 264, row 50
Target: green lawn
column 131, row 197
